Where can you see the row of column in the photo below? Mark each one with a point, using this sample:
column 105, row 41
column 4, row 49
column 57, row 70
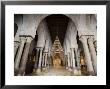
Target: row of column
column 22, row 55
column 73, row 61
column 90, row 49
column 42, row 61
column 90, row 54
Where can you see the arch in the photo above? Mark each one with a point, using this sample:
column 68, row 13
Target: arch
column 41, row 18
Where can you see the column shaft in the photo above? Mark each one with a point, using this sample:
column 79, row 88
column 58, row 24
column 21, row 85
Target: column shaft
column 73, row 59
column 45, row 60
column 87, row 55
column 25, row 57
column 68, row 60
column 95, row 45
column 37, row 58
column 78, row 59
column 93, row 54
column 16, row 46
column 18, row 56
column 40, row 61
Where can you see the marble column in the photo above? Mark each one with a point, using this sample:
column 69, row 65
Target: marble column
column 68, row 56
column 93, row 53
column 78, row 61
column 95, row 45
column 88, row 61
column 72, row 56
column 40, row 61
column 36, row 60
column 77, row 58
column 19, row 53
column 45, row 60
column 48, row 61
column 16, row 46
column 71, row 60
column 25, row 56
column 66, row 62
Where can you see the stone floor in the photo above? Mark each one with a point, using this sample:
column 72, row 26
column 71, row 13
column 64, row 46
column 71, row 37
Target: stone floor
column 55, row 72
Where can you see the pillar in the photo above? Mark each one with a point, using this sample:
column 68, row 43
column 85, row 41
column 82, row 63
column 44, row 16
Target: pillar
column 48, row 60
column 36, row 60
column 78, row 61
column 93, row 54
column 71, row 60
column 87, row 55
column 77, row 58
column 25, row 56
column 95, row 45
column 18, row 56
column 72, row 57
column 45, row 60
column 40, row 61
column 16, row 46
column 66, row 62
column 68, row 56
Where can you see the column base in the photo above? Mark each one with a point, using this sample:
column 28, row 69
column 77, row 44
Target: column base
column 16, row 72
column 79, row 72
column 75, row 71
column 34, row 71
column 69, row 69
column 44, row 69
column 19, row 75
column 91, row 73
column 38, row 70
column 66, row 68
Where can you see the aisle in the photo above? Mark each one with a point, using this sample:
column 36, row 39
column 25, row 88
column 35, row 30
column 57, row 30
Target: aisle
column 56, row 72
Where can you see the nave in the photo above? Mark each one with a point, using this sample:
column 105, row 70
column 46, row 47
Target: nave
column 55, row 45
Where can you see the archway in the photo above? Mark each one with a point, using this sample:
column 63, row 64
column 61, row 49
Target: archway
column 51, row 28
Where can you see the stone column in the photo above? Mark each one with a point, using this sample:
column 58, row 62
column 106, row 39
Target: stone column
column 45, row 60
column 48, row 61
column 18, row 56
column 36, row 60
column 25, row 56
column 71, row 60
column 77, row 61
column 93, row 54
column 77, row 58
column 66, row 62
column 68, row 56
column 16, row 46
column 87, row 55
column 40, row 61
column 72, row 56
column 95, row 45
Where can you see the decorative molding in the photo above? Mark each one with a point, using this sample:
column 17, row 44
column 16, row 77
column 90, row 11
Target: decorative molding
column 26, row 36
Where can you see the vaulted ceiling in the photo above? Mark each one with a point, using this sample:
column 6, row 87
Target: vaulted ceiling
column 57, row 25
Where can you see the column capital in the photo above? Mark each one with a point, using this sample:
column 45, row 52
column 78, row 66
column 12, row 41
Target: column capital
column 22, row 38
column 90, row 38
column 95, row 42
column 83, row 38
column 16, row 43
column 38, row 47
column 71, row 48
column 28, row 39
